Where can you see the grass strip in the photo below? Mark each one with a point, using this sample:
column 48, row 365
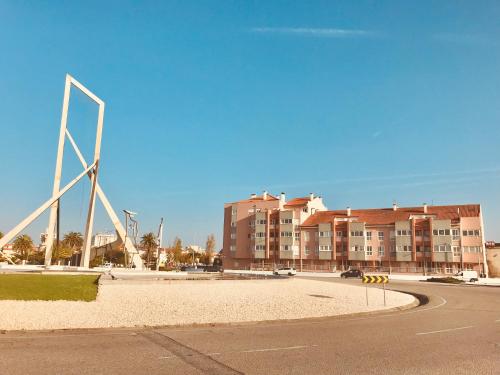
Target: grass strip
column 48, row 287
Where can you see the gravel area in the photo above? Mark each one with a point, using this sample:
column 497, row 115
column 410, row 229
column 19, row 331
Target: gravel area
column 158, row 303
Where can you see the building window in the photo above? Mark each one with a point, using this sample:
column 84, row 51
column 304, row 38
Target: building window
column 357, row 248
column 286, row 234
column 233, row 224
column 233, row 236
column 456, row 251
column 325, row 234
column 468, row 267
column 403, row 248
column 297, row 235
column 380, row 236
column 307, row 250
column 369, row 236
column 286, row 221
column 471, row 232
column 441, row 232
column 357, row 233
column 456, row 234
column 369, row 250
column 286, row 247
column 418, row 233
column 232, row 248
column 304, row 209
column 441, row 248
column 339, row 234
column 418, row 248
column 404, row 232
column 272, row 221
column 381, row 251
column 306, row 236
column 260, row 234
column 325, row 248
column 260, row 247
column 261, row 221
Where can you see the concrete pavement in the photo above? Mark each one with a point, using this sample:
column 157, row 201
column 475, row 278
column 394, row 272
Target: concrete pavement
column 457, row 332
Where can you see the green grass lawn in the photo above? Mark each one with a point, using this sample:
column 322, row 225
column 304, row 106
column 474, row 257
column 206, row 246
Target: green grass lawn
column 48, row 287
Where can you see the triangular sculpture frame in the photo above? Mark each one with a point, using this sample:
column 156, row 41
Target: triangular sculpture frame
column 92, row 172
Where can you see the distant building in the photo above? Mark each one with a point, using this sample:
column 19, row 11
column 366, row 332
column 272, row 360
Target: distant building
column 493, row 258
column 265, row 231
column 196, row 248
column 103, row 238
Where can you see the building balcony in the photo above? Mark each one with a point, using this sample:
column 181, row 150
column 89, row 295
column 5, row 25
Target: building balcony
column 403, row 256
column 325, row 255
column 357, row 255
column 259, row 254
column 286, row 254
column 443, row 256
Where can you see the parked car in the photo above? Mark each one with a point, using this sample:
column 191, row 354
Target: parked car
column 290, row 271
column 213, row 268
column 351, row 273
column 467, row 276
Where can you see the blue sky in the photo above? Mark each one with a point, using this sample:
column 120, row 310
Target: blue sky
column 206, row 102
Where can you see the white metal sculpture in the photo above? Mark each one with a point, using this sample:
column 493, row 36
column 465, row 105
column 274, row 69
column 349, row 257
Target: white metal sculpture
column 92, row 172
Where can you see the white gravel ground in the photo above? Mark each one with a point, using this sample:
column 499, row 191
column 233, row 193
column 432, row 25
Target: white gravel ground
column 158, row 303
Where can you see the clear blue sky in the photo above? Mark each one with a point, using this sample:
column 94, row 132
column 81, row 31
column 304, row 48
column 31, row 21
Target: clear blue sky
column 362, row 102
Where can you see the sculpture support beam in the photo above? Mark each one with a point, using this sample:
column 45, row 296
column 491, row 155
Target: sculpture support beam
column 92, row 173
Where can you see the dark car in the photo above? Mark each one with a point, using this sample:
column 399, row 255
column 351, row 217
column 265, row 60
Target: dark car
column 351, row 273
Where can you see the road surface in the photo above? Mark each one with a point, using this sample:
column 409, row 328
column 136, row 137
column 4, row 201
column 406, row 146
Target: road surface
column 456, row 332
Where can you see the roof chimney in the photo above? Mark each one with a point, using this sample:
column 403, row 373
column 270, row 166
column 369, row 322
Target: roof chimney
column 394, row 206
column 282, row 197
column 264, row 195
column 252, row 196
column 425, row 208
column 348, row 211
column 458, row 211
column 311, row 196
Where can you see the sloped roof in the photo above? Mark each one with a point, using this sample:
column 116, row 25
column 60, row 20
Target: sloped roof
column 259, row 198
column 384, row 216
column 297, row 202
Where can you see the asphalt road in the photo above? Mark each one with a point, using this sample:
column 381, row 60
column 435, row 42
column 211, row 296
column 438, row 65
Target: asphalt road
column 456, row 332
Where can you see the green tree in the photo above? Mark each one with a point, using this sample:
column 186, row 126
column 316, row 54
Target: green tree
column 177, row 249
column 61, row 252
column 149, row 244
column 23, row 245
column 74, row 241
column 209, row 248
column 1, row 234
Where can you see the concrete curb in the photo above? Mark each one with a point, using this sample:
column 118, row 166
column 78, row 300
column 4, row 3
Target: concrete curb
column 318, row 319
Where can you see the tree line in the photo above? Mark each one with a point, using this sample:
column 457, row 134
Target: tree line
column 72, row 243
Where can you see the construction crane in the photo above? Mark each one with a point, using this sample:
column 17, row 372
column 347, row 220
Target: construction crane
column 159, row 238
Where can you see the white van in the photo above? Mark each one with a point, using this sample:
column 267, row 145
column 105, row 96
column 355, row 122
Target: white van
column 467, row 275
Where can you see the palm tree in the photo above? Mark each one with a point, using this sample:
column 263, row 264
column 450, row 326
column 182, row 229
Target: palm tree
column 149, row 243
column 73, row 240
column 23, row 245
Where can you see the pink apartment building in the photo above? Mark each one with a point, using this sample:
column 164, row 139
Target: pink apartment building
column 266, row 231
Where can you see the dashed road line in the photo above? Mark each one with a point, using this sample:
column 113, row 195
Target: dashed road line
column 259, row 350
column 443, row 330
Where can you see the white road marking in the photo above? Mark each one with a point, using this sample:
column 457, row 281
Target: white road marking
column 55, row 336
column 252, row 351
column 274, row 349
column 444, row 330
